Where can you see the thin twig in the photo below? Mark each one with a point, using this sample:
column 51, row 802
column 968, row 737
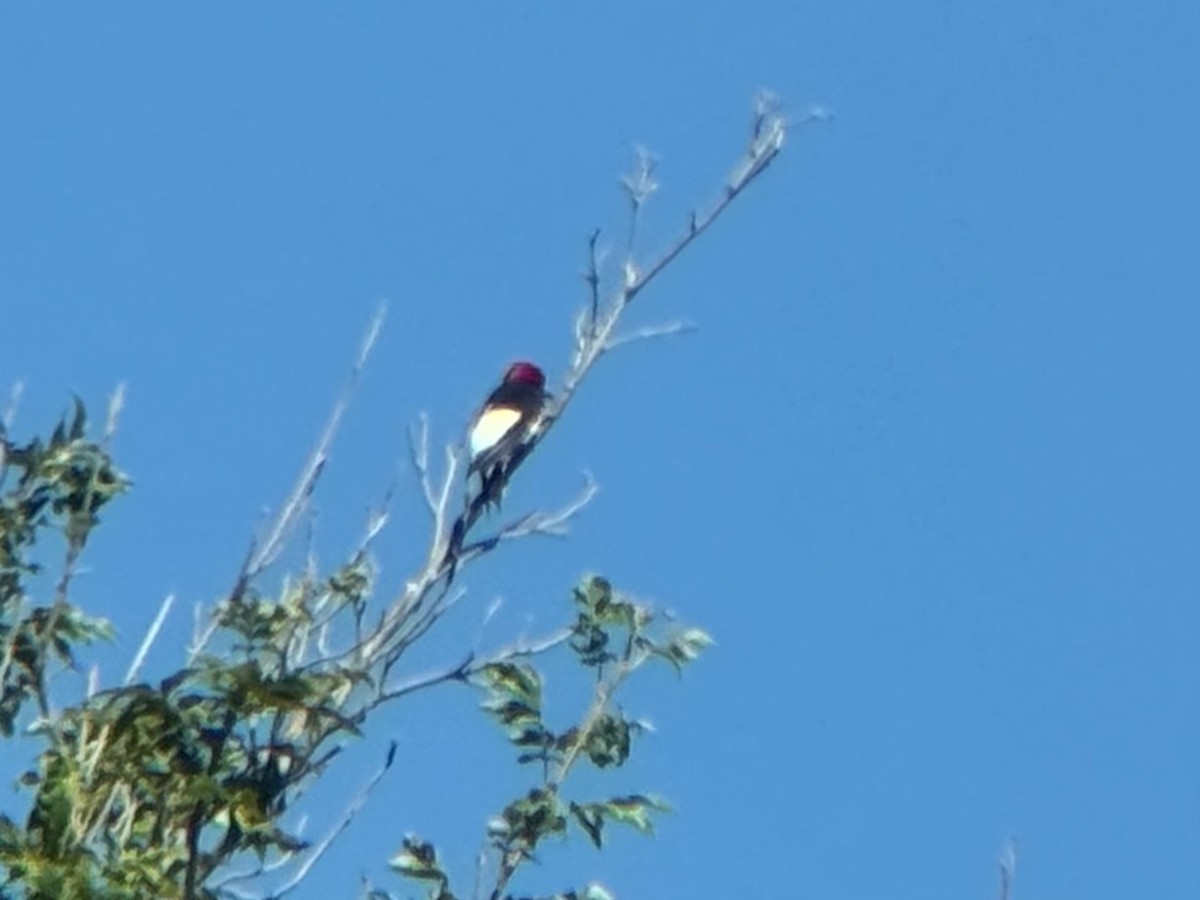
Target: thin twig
column 14, row 402
column 1008, row 868
column 294, row 507
column 639, row 185
column 649, row 331
column 377, row 519
column 592, row 277
column 418, row 450
column 203, row 629
column 547, row 523
column 481, row 859
column 770, row 131
column 428, row 590
column 116, row 403
column 355, row 807
column 767, row 139
column 135, row 667
column 260, row 555
column 225, row 885
column 472, row 665
column 441, row 513
column 420, row 619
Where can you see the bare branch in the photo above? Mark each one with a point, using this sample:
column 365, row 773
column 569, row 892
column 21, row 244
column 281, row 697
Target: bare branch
column 471, row 666
column 666, row 329
column 427, row 597
column 639, row 185
column 377, row 519
column 139, row 659
column 595, row 326
column 14, row 402
column 553, row 523
column 414, row 623
column 225, row 888
column 1008, row 868
column 418, row 450
column 814, row 113
column 116, row 403
column 203, row 629
column 481, row 859
column 351, row 812
column 441, row 514
column 297, row 501
column 767, row 139
column 592, row 277
column 595, row 334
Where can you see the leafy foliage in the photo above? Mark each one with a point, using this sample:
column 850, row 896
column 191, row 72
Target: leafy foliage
column 52, row 488
column 613, row 635
column 152, row 789
column 418, row 860
column 146, row 790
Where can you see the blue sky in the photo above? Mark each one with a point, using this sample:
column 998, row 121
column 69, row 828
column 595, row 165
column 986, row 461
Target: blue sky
column 927, row 470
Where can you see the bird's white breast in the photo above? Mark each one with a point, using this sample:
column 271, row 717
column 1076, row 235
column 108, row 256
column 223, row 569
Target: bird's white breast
column 491, row 427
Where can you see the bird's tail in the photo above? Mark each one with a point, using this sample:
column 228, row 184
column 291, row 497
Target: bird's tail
column 454, row 547
column 491, row 486
column 491, row 491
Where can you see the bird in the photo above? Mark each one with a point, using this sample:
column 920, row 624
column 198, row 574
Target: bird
column 498, row 438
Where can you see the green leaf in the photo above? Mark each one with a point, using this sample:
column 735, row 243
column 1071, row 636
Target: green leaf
column 526, row 821
column 683, row 647
column 608, row 741
column 418, row 860
column 634, row 810
column 510, row 712
column 518, row 680
column 594, row 595
column 78, row 420
column 352, row 582
column 590, row 817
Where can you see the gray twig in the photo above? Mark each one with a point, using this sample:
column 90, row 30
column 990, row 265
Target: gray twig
column 592, row 277
column 666, row 329
column 266, row 552
column 14, row 403
column 1008, row 868
column 116, row 403
column 139, row 659
column 472, row 665
column 352, row 811
column 639, row 185
column 418, row 451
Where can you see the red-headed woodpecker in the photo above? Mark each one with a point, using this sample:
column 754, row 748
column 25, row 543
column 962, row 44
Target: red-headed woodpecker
column 501, row 429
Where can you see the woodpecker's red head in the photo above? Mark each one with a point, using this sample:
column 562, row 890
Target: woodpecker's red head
column 501, row 435
column 502, row 424
column 525, row 373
